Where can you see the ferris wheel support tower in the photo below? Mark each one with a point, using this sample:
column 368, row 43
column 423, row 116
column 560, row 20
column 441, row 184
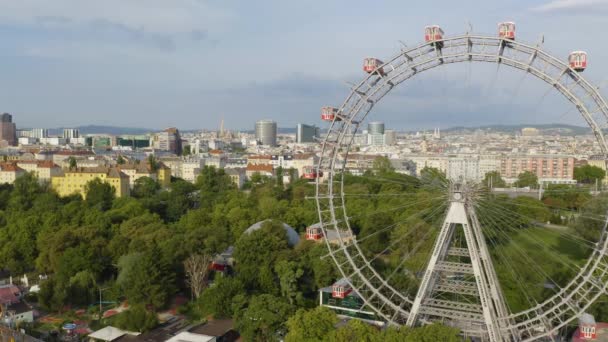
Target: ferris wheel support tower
column 436, row 278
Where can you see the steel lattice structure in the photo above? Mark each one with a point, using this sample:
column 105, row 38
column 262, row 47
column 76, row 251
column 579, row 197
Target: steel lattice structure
column 542, row 320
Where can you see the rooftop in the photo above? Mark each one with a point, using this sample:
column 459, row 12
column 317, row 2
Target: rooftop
column 259, row 167
column 110, row 333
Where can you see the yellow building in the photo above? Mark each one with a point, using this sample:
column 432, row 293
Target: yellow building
column 600, row 162
column 74, row 181
column 136, row 171
column 164, row 175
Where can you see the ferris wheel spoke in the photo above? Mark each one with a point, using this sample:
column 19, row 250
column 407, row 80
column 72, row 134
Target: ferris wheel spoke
column 496, row 227
column 529, row 236
column 405, row 206
column 564, row 232
column 432, row 212
column 515, row 276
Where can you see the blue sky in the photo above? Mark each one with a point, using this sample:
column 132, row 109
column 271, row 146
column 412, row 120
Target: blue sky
column 187, row 63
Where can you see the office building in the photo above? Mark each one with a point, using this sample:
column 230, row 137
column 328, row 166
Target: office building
column 390, row 137
column 375, row 133
column 39, row 133
column 306, row 133
column 266, row 132
column 543, row 166
column 375, row 127
column 8, row 131
column 70, row 133
column 167, row 140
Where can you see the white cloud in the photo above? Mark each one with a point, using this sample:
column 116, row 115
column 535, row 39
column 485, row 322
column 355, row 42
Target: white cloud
column 560, row 5
column 153, row 16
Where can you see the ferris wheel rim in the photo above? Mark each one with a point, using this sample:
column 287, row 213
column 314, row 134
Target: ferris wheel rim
column 374, row 83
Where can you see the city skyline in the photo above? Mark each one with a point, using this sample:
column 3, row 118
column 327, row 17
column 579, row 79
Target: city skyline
column 170, row 65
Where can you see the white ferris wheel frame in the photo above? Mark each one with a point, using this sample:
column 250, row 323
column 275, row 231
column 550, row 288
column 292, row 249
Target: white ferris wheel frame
column 542, row 320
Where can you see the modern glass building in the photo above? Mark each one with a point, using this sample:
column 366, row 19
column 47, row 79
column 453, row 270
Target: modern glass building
column 266, row 132
column 306, row 133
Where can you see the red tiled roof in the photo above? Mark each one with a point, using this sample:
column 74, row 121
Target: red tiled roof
column 47, row 164
column 259, row 167
column 10, row 167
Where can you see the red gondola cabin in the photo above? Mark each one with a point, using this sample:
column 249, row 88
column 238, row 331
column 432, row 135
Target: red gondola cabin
column 372, row 65
column 329, row 114
column 578, row 60
column 506, row 30
column 311, row 173
column 341, row 288
column 314, row 233
column 434, row 34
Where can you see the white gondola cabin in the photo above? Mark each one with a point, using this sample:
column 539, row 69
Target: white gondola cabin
column 372, row 65
column 578, row 60
column 506, row 30
column 341, row 288
column 329, row 114
column 434, row 34
column 314, row 233
column 311, row 172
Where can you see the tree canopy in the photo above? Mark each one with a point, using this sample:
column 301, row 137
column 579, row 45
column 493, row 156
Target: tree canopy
column 589, row 174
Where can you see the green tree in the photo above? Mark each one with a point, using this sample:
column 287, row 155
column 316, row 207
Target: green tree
column 145, row 278
column 179, row 199
column 264, row 318
column 526, row 179
column 355, row 330
column 256, row 253
column 99, row 194
column 382, row 165
column 589, row 174
column 25, row 191
column 279, row 174
column 82, row 288
column 145, row 187
column 433, row 333
column 120, row 160
column 432, row 178
column 187, row 150
column 494, row 180
column 289, row 273
column 137, row 318
column 72, row 163
column 311, row 325
column 215, row 299
column 153, row 163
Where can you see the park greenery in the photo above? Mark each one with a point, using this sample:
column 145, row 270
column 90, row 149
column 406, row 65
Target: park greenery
column 135, row 247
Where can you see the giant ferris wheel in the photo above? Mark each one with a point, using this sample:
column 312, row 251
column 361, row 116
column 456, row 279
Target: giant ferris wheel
column 457, row 284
